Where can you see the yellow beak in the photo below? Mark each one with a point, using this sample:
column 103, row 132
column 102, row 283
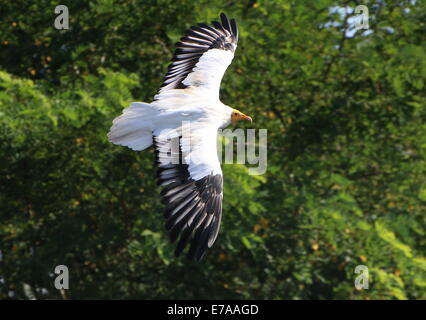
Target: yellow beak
column 237, row 116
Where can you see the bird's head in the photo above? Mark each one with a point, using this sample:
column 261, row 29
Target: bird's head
column 237, row 115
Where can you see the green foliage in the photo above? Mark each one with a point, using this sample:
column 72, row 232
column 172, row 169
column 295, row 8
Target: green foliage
column 345, row 183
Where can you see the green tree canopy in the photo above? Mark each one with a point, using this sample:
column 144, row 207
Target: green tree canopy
column 345, row 183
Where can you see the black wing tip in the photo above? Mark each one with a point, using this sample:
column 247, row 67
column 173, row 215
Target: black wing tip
column 234, row 29
column 195, row 42
column 230, row 25
column 225, row 21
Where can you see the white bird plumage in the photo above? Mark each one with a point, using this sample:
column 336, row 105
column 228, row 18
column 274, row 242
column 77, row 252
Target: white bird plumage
column 182, row 123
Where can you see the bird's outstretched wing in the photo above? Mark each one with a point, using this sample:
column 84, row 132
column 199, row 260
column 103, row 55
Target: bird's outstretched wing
column 189, row 169
column 202, row 56
column 192, row 182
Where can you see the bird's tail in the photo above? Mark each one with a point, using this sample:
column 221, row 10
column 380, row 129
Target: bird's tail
column 133, row 128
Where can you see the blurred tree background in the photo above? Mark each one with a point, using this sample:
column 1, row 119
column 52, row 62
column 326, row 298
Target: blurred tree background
column 345, row 184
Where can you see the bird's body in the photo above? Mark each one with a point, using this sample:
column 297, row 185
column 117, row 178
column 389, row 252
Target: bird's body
column 182, row 124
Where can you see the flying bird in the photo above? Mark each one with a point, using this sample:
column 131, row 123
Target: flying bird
column 182, row 123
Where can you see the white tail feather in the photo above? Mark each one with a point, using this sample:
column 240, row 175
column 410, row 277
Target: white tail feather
column 133, row 128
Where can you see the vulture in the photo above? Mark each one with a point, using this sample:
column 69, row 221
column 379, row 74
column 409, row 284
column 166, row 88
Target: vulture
column 182, row 125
